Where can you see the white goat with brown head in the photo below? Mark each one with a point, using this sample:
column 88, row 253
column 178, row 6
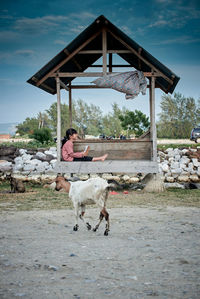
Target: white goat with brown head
column 82, row 193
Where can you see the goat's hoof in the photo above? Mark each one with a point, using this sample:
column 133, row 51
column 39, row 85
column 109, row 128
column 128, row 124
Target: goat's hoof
column 94, row 229
column 75, row 228
column 106, row 232
column 88, row 226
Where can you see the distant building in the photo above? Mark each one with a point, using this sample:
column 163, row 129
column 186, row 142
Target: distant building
column 5, row 136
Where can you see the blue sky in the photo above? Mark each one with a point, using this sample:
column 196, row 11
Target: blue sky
column 32, row 32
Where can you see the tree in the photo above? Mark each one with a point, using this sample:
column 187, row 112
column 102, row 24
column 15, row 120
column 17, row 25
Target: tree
column 28, row 126
column 135, row 121
column 87, row 118
column 52, row 114
column 42, row 135
column 178, row 116
column 111, row 122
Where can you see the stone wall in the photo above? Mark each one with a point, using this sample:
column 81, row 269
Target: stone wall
column 178, row 165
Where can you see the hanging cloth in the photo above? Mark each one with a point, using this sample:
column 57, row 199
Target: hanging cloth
column 130, row 83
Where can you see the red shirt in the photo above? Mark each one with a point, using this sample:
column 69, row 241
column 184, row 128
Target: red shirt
column 68, row 152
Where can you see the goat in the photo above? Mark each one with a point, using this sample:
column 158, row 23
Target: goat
column 17, row 186
column 82, row 193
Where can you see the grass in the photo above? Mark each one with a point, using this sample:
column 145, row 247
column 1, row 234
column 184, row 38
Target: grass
column 37, row 197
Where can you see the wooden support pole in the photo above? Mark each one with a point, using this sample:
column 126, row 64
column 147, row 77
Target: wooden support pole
column 152, row 119
column 110, row 63
column 70, row 105
column 58, row 120
column 104, row 48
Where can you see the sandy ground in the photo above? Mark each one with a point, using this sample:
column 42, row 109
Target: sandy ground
column 149, row 252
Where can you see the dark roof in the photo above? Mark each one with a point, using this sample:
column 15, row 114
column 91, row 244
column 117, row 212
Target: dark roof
column 86, row 60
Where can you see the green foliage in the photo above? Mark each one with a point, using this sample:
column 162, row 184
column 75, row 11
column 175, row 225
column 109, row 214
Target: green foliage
column 135, row 121
column 28, row 126
column 178, row 116
column 42, row 135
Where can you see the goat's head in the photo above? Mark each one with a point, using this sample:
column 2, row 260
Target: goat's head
column 62, row 183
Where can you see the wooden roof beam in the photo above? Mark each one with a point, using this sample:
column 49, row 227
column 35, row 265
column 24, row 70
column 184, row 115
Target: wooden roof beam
column 68, row 58
column 95, row 74
column 73, row 59
column 108, row 51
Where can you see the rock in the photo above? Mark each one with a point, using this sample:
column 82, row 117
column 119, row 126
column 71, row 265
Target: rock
column 177, row 157
column 176, row 171
column 26, row 157
column 198, row 171
column 22, row 151
column 34, row 162
column 125, row 178
column 133, row 180
column 18, row 160
column 183, row 178
column 184, row 151
column 174, row 185
column 175, row 165
column 18, row 167
column 170, row 179
column 29, row 167
column 195, row 162
column 184, row 160
column 194, row 178
column 165, row 167
column 41, row 156
column 5, row 166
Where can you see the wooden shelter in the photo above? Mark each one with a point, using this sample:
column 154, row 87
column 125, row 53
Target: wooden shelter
column 102, row 38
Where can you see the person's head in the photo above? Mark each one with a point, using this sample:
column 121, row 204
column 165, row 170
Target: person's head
column 71, row 134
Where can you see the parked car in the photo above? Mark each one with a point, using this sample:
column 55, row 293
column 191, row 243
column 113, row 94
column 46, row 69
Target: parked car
column 195, row 134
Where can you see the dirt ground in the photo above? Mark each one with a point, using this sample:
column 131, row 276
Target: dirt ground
column 152, row 249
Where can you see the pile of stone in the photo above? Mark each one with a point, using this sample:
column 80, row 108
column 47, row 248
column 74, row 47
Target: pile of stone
column 178, row 165
column 175, row 165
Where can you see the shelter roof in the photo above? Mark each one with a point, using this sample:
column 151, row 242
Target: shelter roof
column 72, row 58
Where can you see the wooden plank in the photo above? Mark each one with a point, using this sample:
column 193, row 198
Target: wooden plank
column 73, row 59
column 91, row 86
column 115, row 65
column 142, row 58
column 108, row 51
column 117, row 150
column 44, row 85
column 64, row 85
column 104, row 49
column 93, row 74
column 58, row 120
column 68, row 58
column 107, row 167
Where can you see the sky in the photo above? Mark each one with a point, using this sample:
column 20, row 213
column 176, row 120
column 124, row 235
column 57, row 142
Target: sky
column 33, row 32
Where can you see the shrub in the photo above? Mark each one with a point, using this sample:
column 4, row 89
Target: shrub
column 42, row 135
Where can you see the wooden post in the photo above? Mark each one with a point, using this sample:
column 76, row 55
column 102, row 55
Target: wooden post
column 110, row 62
column 104, row 48
column 152, row 119
column 70, row 105
column 58, row 120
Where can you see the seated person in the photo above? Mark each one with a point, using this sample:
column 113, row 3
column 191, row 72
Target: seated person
column 68, row 151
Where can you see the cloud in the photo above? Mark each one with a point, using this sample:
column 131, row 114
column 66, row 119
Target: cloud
column 178, row 40
column 60, row 42
column 25, row 53
column 39, row 25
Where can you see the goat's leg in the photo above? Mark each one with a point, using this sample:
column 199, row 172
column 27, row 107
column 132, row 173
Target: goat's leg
column 100, row 219
column 81, row 216
column 106, row 215
column 76, row 209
